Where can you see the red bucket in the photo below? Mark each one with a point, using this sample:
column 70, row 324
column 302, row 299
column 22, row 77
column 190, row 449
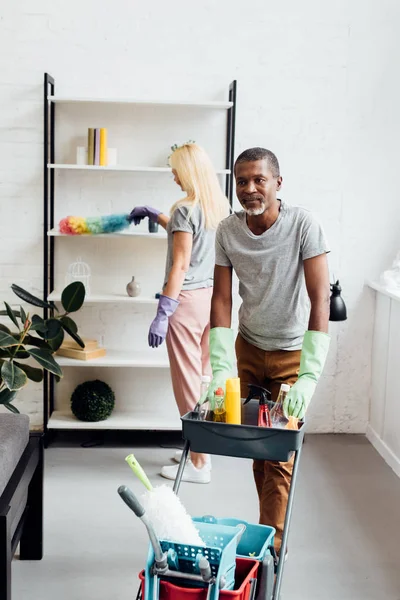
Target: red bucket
column 246, row 570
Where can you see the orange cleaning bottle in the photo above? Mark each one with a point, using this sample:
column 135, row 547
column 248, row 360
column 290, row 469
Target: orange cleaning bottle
column 219, row 412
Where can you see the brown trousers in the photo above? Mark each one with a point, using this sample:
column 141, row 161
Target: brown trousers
column 269, row 369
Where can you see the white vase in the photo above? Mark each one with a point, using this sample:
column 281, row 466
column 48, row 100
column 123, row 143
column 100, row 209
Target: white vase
column 133, row 288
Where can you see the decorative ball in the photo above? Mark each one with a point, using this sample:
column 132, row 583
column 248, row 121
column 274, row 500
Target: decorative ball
column 92, row 401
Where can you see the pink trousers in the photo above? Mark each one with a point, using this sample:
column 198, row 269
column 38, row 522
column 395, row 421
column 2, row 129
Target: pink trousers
column 188, row 346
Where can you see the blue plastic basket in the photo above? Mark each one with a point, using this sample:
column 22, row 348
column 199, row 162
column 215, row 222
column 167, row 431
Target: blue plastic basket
column 221, row 543
column 255, row 541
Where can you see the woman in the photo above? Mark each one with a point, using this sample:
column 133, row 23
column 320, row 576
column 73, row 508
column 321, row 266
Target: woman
column 184, row 308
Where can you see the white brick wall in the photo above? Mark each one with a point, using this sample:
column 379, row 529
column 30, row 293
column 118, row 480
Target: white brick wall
column 317, row 84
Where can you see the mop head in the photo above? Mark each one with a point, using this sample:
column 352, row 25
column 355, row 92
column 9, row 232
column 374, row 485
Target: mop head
column 169, row 517
column 93, row 225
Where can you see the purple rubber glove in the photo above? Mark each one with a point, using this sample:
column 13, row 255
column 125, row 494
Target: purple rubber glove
column 159, row 327
column 141, row 212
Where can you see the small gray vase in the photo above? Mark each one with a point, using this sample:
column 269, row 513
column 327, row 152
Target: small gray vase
column 133, row 288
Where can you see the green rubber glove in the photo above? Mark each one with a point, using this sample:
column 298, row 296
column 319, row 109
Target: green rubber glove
column 313, row 356
column 222, row 358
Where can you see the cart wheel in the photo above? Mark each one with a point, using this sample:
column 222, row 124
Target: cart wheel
column 266, row 578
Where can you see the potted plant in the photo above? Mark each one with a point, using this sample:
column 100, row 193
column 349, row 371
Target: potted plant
column 32, row 337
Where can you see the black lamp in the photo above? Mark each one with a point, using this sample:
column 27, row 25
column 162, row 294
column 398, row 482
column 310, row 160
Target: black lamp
column 337, row 311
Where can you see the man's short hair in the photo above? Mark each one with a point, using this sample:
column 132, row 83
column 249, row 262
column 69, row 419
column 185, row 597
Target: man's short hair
column 253, row 154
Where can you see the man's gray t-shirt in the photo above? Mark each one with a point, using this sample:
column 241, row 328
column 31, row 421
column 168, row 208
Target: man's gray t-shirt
column 275, row 306
column 202, row 261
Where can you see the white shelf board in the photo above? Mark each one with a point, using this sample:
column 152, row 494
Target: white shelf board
column 395, row 295
column 183, row 103
column 126, row 233
column 108, row 299
column 118, row 420
column 117, row 358
column 125, row 168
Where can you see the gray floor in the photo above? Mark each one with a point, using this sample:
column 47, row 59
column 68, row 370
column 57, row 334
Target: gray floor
column 344, row 540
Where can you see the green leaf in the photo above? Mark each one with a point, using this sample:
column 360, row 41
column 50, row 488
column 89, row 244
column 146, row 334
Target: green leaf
column 33, row 373
column 29, row 298
column 23, row 315
column 7, row 396
column 45, row 359
column 7, row 340
column 57, row 341
column 4, row 313
column 4, row 353
column 14, row 377
column 22, row 353
column 4, row 328
column 72, row 333
column 11, row 315
column 73, row 296
column 31, row 340
column 11, row 408
column 38, row 324
column 69, row 323
column 53, row 327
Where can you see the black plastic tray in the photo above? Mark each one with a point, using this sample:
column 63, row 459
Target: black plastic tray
column 242, row 441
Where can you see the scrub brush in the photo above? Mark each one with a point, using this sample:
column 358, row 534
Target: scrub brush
column 168, row 516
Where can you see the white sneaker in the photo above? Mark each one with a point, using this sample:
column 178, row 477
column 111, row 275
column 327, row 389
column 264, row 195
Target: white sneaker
column 178, row 456
column 191, row 474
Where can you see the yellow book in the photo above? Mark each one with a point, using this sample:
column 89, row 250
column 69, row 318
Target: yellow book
column 89, row 344
column 103, row 147
column 81, row 354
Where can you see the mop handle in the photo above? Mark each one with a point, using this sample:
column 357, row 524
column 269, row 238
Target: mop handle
column 130, row 500
column 138, row 470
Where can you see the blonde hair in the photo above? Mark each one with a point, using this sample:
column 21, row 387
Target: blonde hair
column 200, row 182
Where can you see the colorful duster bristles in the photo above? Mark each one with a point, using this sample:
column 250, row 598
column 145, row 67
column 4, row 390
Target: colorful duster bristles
column 94, row 225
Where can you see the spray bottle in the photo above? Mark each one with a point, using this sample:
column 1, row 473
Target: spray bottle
column 278, row 418
column 203, row 406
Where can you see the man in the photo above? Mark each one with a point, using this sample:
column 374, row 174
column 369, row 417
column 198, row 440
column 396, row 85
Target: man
column 278, row 253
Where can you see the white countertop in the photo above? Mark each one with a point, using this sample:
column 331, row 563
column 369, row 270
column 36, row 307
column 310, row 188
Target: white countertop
column 395, row 295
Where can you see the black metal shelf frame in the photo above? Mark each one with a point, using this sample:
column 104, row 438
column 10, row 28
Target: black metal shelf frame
column 49, row 203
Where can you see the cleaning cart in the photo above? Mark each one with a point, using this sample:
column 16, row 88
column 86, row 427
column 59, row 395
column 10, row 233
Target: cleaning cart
column 238, row 560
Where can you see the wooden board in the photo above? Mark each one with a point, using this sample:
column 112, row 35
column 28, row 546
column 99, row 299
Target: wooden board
column 72, row 345
column 81, row 354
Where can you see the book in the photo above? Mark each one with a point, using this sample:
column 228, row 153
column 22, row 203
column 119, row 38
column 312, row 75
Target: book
column 103, row 147
column 90, row 146
column 89, row 344
column 97, row 146
column 81, row 354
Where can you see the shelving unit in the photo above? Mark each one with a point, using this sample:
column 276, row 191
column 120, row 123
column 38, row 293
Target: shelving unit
column 117, row 358
column 128, row 169
column 117, row 421
column 215, row 105
column 127, row 233
column 130, row 367
column 108, row 299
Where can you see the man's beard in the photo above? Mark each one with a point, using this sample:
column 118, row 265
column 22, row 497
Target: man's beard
column 255, row 212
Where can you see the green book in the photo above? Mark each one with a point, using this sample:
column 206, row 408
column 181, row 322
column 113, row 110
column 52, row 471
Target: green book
column 90, row 146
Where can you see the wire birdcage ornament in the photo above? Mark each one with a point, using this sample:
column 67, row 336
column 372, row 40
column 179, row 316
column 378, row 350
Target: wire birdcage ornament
column 79, row 271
